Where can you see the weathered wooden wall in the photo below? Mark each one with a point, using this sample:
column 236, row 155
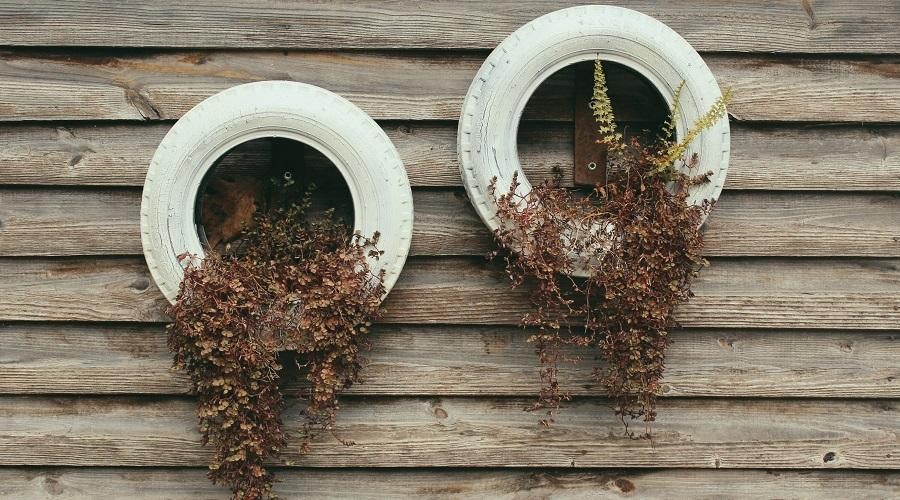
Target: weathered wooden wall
column 786, row 377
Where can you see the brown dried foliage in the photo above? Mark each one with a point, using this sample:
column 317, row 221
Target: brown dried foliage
column 637, row 237
column 297, row 286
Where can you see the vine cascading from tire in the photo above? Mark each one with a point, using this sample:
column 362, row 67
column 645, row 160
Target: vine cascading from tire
column 358, row 147
column 493, row 107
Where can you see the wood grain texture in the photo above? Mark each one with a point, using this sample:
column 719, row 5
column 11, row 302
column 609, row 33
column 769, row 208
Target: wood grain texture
column 191, row 484
column 757, row 293
column 91, row 290
column 719, row 25
column 407, row 86
column 89, row 88
column 826, row 158
column 803, row 225
column 46, row 358
column 472, row 432
column 61, row 222
column 49, row 222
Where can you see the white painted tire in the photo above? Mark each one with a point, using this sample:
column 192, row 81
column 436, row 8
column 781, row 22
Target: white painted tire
column 489, row 122
column 358, row 147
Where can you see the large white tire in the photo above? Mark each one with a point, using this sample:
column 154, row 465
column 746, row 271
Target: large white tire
column 358, row 147
column 489, row 122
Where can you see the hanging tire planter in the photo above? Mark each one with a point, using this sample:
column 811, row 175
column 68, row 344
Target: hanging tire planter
column 355, row 144
column 493, row 106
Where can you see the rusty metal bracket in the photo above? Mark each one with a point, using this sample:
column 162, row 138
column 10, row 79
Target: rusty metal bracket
column 590, row 156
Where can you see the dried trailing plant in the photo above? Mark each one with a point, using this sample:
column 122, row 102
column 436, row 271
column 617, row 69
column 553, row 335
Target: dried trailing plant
column 297, row 286
column 638, row 238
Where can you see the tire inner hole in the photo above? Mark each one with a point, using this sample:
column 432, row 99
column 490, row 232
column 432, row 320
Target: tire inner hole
column 549, row 128
column 260, row 176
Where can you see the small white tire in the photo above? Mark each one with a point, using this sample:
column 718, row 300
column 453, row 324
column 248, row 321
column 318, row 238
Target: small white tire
column 346, row 135
column 493, row 106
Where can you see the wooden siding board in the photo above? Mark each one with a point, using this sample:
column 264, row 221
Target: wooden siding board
column 470, row 432
column 407, row 86
column 48, row 358
column 760, row 293
column 781, row 157
column 62, row 222
column 190, row 484
column 720, row 25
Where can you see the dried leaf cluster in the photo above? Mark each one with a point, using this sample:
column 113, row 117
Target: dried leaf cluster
column 297, row 286
column 638, row 238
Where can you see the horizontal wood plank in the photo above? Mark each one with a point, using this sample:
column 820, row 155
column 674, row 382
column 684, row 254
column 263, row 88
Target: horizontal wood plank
column 191, row 484
column 827, row 158
column 105, row 221
column 471, row 432
column 457, row 360
column 757, row 293
column 803, row 225
column 59, row 222
column 720, row 25
column 408, row 86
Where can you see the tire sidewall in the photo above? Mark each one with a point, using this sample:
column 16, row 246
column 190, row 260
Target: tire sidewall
column 509, row 76
column 355, row 144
